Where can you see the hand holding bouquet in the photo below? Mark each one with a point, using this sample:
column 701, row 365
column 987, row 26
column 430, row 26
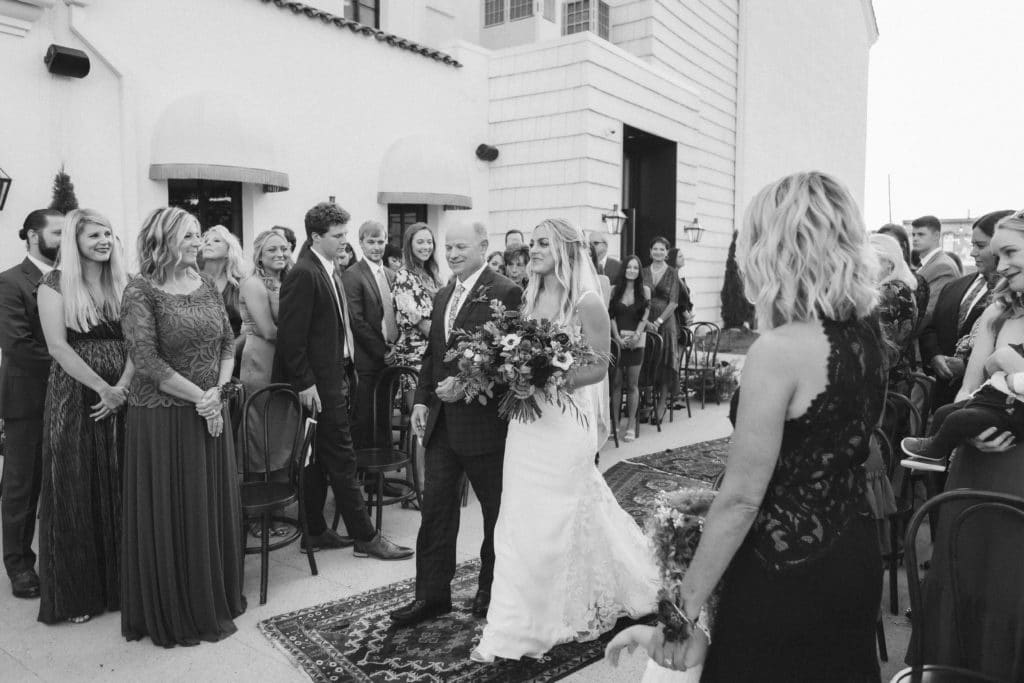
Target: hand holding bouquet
column 675, row 529
column 531, row 358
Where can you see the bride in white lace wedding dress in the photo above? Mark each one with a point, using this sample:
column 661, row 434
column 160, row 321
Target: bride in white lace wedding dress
column 570, row 561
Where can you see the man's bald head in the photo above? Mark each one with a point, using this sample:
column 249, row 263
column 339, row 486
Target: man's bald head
column 466, row 248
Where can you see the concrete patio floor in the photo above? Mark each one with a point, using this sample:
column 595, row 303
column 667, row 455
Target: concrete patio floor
column 31, row 651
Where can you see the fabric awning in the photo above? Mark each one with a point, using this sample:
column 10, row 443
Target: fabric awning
column 207, row 136
column 421, row 169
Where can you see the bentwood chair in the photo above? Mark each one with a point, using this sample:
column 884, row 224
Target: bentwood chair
column 701, row 361
column 975, row 556
column 272, row 431
column 649, row 381
column 375, row 462
column 685, row 344
column 616, row 400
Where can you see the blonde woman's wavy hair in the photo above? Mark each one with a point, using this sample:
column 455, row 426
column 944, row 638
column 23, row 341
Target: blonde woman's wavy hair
column 160, row 240
column 257, row 258
column 574, row 269
column 1011, row 302
column 890, row 256
column 234, row 266
column 804, row 253
column 85, row 308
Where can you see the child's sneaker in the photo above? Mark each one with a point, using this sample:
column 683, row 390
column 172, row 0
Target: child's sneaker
column 916, row 449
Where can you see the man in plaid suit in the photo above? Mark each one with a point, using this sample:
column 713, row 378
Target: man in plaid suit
column 459, row 437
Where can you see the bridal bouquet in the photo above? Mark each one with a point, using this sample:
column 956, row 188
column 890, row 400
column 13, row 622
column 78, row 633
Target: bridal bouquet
column 531, row 358
column 675, row 529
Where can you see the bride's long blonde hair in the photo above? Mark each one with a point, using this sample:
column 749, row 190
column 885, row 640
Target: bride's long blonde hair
column 574, row 270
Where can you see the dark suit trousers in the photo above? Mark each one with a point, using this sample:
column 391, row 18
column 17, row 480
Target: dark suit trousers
column 336, row 460
column 439, row 528
column 22, row 476
column 362, row 412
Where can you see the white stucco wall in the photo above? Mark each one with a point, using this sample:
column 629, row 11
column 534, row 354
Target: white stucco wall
column 697, row 42
column 804, row 91
column 335, row 99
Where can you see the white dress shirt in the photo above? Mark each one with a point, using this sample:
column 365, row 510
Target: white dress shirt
column 929, row 256
column 44, row 268
column 467, row 286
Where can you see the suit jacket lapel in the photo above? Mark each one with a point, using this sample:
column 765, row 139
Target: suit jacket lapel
column 371, row 281
column 31, row 271
column 481, row 282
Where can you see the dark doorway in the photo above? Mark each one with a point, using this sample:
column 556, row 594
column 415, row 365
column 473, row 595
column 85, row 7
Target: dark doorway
column 400, row 217
column 648, row 190
column 213, row 202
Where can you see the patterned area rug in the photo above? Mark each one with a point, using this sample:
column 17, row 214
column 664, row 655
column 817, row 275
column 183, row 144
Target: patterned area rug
column 351, row 639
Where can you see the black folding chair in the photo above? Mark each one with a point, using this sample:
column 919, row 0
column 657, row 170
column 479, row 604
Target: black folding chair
column 701, row 363
column 649, row 382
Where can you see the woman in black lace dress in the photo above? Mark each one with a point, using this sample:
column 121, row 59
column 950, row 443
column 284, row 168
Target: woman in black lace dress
column 83, row 433
column 182, row 567
column 788, row 536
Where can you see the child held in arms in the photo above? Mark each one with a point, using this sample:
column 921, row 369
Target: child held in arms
column 998, row 403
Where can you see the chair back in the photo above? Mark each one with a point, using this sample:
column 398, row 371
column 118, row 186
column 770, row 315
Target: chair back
column 650, row 369
column 901, row 418
column 977, row 554
column 703, row 349
column 614, row 356
column 390, row 385
column 270, row 432
column 921, row 392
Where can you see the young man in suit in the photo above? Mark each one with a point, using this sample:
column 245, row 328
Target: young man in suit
column 24, row 371
column 368, row 287
column 459, row 437
column 314, row 355
column 957, row 308
column 936, row 265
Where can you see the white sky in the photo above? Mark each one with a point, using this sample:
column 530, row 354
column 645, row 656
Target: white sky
column 945, row 109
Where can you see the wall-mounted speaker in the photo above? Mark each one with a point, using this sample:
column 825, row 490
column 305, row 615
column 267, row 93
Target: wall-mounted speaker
column 487, row 152
column 66, row 61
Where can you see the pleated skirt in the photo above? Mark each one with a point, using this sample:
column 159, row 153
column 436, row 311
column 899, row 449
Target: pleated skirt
column 182, row 562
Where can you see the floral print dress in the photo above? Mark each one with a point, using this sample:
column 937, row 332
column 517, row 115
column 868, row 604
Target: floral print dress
column 414, row 302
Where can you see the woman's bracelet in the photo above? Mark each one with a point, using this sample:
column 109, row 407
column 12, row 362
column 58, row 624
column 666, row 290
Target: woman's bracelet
column 678, row 626
column 228, row 391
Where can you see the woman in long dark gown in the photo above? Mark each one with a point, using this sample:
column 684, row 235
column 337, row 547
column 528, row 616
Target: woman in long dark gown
column 83, row 425
column 663, row 280
column 182, row 565
column 789, row 536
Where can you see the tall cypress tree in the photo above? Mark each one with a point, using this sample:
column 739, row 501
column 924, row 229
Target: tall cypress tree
column 736, row 310
column 64, row 199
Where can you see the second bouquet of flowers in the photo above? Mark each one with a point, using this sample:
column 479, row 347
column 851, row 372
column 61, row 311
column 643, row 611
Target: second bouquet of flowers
column 530, row 358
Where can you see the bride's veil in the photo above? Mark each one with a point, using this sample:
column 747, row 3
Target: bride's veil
column 599, row 392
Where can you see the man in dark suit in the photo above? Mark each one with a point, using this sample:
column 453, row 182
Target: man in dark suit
column 368, row 287
column 606, row 265
column 459, row 437
column 937, row 268
column 24, row 371
column 314, row 355
column 957, row 308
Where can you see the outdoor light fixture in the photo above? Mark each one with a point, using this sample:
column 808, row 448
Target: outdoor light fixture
column 693, row 231
column 5, row 187
column 614, row 220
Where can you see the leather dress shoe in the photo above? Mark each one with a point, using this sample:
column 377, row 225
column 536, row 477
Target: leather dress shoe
column 382, row 548
column 419, row 610
column 481, row 603
column 25, row 584
column 328, row 540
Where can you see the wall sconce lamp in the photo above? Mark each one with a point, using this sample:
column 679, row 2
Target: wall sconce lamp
column 614, row 220
column 693, row 231
column 5, row 187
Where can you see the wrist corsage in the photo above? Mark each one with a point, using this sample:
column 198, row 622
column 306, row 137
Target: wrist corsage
column 675, row 529
column 229, row 391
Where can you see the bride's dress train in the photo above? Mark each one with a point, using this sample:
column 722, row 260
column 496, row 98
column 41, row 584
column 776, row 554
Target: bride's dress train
column 570, row 560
